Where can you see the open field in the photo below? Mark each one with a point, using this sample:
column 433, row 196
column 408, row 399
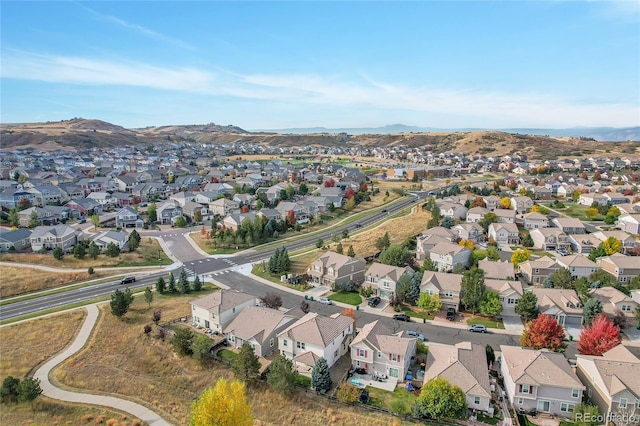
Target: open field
column 121, row 359
column 17, row 280
column 26, row 346
column 149, row 253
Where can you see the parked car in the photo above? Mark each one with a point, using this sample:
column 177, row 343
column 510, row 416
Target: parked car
column 82, row 221
column 360, row 371
column 451, row 314
column 325, row 301
column 478, row 328
column 402, row 317
column 364, row 396
column 374, row 301
column 129, row 279
column 415, row 334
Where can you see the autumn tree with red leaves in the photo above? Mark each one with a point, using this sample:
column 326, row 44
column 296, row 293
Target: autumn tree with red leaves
column 543, row 332
column 329, row 183
column 363, row 187
column 291, row 218
column 349, row 193
column 244, row 209
column 601, row 336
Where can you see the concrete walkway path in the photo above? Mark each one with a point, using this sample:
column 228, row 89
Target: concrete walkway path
column 49, row 390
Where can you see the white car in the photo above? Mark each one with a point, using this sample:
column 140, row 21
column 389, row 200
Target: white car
column 325, row 300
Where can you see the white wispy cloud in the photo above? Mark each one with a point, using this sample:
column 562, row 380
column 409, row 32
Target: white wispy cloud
column 137, row 28
column 497, row 108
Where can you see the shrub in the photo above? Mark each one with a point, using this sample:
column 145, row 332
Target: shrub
column 147, row 329
column 347, row 393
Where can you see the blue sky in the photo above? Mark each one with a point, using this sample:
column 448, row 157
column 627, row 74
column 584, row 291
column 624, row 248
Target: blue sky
column 269, row 65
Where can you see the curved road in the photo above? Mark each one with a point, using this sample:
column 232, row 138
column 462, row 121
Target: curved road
column 48, row 389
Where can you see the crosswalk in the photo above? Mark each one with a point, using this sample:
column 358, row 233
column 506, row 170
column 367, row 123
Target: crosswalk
column 190, row 268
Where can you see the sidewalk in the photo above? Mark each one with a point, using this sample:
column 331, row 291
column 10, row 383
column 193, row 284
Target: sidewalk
column 48, row 389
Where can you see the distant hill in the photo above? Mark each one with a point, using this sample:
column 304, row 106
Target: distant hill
column 79, row 133
column 610, row 134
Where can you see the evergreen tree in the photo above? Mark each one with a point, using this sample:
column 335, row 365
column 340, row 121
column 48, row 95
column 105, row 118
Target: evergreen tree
column 282, row 376
column 351, row 252
column 197, row 284
column 134, row 240
column 148, row 295
column 414, row 288
column 183, row 282
column 339, row 248
column 285, row 262
column 527, row 306
column 172, row 284
column 78, row 251
column 112, row 250
column 120, row 302
column 321, row 377
column 592, row 308
column 29, row 389
column 160, row 285
column 58, row 253
column 33, row 219
column 94, row 250
column 14, row 219
column 473, row 289
column 246, row 366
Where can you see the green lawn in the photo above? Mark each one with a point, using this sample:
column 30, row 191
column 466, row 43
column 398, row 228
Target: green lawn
column 487, row 322
column 416, row 314
column 399, row 401
column 303, row 381
column 489, row 420
column 350, row 298
column 578, row 211
column 228, row 355
column 260, row 272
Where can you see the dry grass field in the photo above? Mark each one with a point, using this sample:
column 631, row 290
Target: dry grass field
column 120, row 359
column 25, row 347
column 146, row 254
column 399, row 229
column 16, row 280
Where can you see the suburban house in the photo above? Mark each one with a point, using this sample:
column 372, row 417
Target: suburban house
column 628, row 242
column 103, row 239
column 502, row 270
column 384, row 278
column 535, row 220
column 469, row 231
column 432, row 237
column 464, row 365
column 505, row 215
column 259, row 327
column 18, row 239
column 475, row 214
column 168, row 212
column 447, row 286
column 509, row 291
column 623, row 268
column 216, row 310
column 549, row 239
column 569, row 225
column 492, row 202
column 612, row 381
column 315, row 336
column 50, row 237
column 235, row 220
column 615, row 302
column 629, row 223
column 583, row 243
column 589, row 198
column 562, row 304
column 127, row 217
column 445, row 256
column 334, row 268
column 579, row 266
column 223, row 207
column 44, row 216
column 536, row 271
column 539, row 380
column 379, row 350
column 504, row 233
column 521, row 204
column 453, row 210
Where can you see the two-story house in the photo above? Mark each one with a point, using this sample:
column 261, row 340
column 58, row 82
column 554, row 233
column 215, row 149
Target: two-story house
column 464, row 365
column 537, row 270
column 378, row 350
column 623, row 268
column 510, row 292
column 583, row 243
column 469, row 231
column 334, row 268
column 384, row 278
column 612, row 382
column 540, row 380
column 315, row 336
column 476, row 214
column 14, row 240
column 579, row 266
column 504, row 233
column 629, row 223
column 615, row 302
column 127, row 217
column 445, row 256
column 521, row 204
column 562, row 304
column 259, row 327
column 569, row 225
column 628, row 241
column 447, row 286
column 218, row 309
column 223, row 207
column 501, row 270
column 535, row 220
column 430, row 238
column 51, row 237
column 549, row 239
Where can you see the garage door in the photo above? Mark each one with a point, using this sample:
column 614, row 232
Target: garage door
column 572, row 321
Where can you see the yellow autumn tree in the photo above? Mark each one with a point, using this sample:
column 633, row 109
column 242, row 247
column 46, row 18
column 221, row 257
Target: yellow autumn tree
column 225, row 404
column 468, row 244
column 505, row 203
column 519, row 256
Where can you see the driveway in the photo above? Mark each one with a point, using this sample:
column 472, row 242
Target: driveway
column 632, row 333
column 512, row 323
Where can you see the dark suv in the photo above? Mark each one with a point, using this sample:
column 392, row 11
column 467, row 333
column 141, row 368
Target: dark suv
column 402, row 317
column 127, row 280
column 374, row 301
column 451, row 314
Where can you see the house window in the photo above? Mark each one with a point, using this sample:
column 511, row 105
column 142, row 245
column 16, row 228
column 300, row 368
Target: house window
column 476, row 400
column 284, row 343
column 394, row 357
column 385, row 284
column 300, row 345
column 429, row 292
column 526, row 389
column 575, row 393
column 271, row 343
column 544, row 406
column 362, row 353
column 393, row 372
column 622, row 403
column 512, row 301
column 520, row 401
